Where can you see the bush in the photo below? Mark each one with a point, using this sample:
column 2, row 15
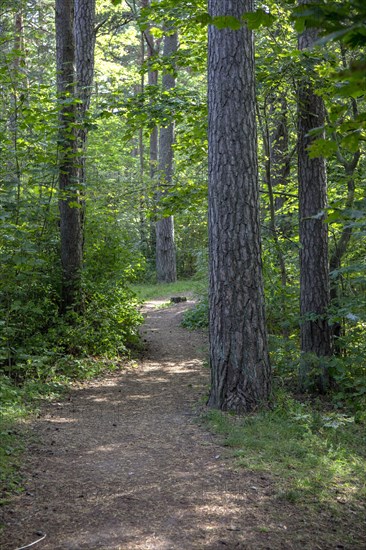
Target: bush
column 198, row 316
column 107, row 325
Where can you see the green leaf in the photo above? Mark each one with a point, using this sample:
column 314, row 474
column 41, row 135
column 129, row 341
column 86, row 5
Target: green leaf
column 204, row 19
column 227, row 22
column 322, row 148
column 258, row 18
column 300, row 25
column 156, row 32
column 351, row 142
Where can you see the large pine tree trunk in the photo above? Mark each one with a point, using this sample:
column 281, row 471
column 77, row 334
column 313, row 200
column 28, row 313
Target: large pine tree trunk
column 166, row 269
column 240, row 368
column 69, row 203
column 314, row 266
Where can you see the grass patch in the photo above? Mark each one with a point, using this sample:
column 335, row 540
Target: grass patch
column 314, row 455
column 154, row 291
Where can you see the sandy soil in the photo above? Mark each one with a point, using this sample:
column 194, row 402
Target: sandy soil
column 123, row 463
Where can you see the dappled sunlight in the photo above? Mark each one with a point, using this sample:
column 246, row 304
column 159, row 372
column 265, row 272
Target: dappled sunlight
column 61, row 420
column 198, row 504
column 136, row 470
column 104, row 449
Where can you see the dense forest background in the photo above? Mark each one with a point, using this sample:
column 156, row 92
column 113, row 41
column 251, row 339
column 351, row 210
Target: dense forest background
column 148, row 95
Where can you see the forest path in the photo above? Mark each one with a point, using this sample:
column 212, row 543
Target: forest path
column 124, row 464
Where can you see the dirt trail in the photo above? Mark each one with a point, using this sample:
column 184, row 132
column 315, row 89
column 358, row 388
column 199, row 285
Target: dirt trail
column 123, row 464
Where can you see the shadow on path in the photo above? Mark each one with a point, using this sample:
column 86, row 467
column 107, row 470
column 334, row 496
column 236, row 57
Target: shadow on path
column 124, row 464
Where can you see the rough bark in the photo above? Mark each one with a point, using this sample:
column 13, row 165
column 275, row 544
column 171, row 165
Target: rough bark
column 85, row 45
column 84, row 23
column 69, row 203
column 315, row 332
column 240, row 369
column 166, row 269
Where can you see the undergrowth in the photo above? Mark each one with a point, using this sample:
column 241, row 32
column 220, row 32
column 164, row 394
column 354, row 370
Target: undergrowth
column 197, row 317
column 39, row 358
column 315, row 455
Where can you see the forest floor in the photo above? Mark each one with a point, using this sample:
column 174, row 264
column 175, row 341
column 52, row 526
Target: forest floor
column 125, row 462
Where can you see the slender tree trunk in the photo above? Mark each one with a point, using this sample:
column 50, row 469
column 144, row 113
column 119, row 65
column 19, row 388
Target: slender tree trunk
column 152, row 47
column 69, row 203
column 272, row 177
column 315, row 332
column 279, row 144
column 152, row 80
column 166, row 268
column 17, row 99
column 341, row 245
column 143, row 190
column 240, row 369
column 84, row 23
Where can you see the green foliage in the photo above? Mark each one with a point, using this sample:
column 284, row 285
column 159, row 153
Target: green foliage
column 197, row 317
column 343, row 22
column 107, row 324
column 314, row 454
column 38, row 348
column 339, row 20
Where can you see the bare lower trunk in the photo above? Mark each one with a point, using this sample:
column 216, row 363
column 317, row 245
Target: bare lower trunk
column 165, row 260
column 240, row 369
column 166, row 269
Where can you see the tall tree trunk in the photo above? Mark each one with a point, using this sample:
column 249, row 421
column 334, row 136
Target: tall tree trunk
column 69, row 203
column 18, row 86
column 166, row 268
column 314, row 267
column 84, row 23
column 152, row 48
column 271, row 177
column 341, row 245
column 152, row 80
column 279, row 145
column 240, row 368
column 144, row 233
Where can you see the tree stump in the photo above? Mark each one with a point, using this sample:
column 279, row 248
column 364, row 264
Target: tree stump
column 178, row 299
